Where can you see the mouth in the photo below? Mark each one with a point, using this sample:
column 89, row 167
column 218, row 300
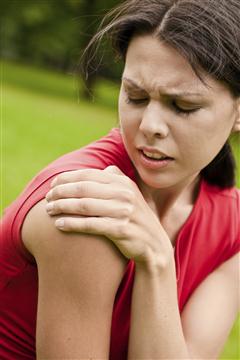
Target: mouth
column 155, row 156
column 153, row 160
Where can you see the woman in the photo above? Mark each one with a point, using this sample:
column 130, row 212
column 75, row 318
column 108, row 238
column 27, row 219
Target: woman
column 157, row 235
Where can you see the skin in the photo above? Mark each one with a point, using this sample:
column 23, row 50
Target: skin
column 149, row 116
column 162, row 104
column 109, row 203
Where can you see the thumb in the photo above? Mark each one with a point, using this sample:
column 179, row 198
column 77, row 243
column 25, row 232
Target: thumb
column 114, row 170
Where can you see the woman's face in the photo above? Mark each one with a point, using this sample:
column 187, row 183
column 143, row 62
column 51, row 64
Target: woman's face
column 166, row 109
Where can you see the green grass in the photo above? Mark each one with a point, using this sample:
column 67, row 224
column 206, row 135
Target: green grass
column 39, row 126
column 42, row 117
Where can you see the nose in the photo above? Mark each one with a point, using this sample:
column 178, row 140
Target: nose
column 153, row 122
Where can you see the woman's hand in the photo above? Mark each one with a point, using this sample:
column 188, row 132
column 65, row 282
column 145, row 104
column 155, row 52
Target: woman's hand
column 107, row 202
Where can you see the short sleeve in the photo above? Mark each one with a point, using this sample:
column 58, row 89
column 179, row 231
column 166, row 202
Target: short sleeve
column 106, row 151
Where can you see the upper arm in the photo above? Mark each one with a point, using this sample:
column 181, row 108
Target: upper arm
column 79, row 275
column 209, row 315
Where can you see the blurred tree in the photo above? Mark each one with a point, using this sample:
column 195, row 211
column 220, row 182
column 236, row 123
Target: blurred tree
column 97, row 62
column 53, row 33
column 88, row 26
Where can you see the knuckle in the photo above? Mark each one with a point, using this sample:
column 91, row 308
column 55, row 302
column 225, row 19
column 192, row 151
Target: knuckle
column 56, row 192
column 127, row 211
column 163, row 262
column 123, row 229
column 114, row 168
column 79, row 188
column 123, row 233
column 57, row 206
column 82, row 189
column 83, row 207
column 110, row 167
column 128, row 195
column 118, row 231
column 127, row 180
column 62, row 178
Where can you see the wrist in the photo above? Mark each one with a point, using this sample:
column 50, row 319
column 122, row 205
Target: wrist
column 156, row 264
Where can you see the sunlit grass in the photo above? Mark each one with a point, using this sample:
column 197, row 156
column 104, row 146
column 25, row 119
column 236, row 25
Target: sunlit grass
column 39, row 125
column 43, row 118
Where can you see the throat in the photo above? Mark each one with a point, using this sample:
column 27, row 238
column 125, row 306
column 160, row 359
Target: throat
column 174, row 221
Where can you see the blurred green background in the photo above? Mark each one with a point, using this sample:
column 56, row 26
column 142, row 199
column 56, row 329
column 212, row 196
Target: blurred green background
column 46, row 107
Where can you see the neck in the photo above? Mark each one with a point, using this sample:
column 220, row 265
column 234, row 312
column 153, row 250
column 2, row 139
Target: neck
column 163, row 200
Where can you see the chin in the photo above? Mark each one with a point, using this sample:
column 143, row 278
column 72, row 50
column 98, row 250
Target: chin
column 157, row 182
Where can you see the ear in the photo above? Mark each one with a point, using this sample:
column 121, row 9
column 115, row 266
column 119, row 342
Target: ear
column 236, row 126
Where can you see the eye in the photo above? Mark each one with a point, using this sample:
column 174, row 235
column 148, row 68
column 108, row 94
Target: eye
column 180, row 110
column 136, row 101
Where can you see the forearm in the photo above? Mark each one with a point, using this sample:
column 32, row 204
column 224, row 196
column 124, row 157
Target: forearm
column 156, row 330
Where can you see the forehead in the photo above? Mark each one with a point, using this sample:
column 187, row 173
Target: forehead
column 155, row 65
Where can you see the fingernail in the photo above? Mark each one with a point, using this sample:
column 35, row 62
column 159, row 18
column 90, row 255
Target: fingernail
column 54, row 182
column 49, row 195
column 59, row 223
column 49, row 207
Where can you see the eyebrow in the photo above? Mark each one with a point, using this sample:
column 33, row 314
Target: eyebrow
column 175, row 94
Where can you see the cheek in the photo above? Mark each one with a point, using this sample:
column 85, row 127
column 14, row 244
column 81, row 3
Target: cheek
column 216, row 130
column 202, row 140
column 129, row 117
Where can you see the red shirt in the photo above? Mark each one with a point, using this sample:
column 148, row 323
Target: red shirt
column 210, row 236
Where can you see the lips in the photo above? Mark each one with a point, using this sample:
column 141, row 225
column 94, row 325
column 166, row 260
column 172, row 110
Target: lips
column 154, row 159
column 154, row 164
column 154, row 156
column 152, row 153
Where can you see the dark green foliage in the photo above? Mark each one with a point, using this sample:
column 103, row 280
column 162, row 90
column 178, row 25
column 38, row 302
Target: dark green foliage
column 52, row 33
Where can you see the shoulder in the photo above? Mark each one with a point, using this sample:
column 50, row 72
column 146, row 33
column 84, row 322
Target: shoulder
column 79, row 276
column 108, row 150
column 225, row 195
column 82, row 260
column 43, row 240
column 222, row 205
column 218, row 221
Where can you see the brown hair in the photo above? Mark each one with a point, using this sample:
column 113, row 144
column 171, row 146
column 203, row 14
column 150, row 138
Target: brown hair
column 205, row 32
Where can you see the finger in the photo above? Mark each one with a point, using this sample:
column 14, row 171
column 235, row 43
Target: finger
column 97, row 175
column 89, row 207
column 90, row 225
column 81, row 189
column 114, row 170
column 124, row 179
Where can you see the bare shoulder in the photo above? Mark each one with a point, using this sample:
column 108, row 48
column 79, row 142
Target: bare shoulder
column 42, row 239
column 79, row 275
column 212, row 309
